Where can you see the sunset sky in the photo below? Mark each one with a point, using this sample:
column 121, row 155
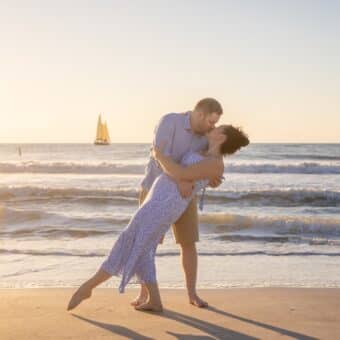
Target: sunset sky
column 274, row 66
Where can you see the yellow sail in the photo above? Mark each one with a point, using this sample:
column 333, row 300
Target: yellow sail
column 102, row 136
column 99, row 128
column 106, row 136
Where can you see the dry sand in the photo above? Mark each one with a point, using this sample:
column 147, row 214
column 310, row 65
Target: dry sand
column 235, row 313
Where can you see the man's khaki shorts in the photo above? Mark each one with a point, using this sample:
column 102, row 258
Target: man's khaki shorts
column 185, row 229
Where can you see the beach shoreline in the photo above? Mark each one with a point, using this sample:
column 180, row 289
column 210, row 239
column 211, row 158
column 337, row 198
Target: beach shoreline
column 40, row 313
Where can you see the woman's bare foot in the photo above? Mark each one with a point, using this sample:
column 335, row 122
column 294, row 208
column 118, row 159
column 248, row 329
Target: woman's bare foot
column 151, row 307
column 81, row 294
column 138, row 300
column 198, row 302
column 142, row 297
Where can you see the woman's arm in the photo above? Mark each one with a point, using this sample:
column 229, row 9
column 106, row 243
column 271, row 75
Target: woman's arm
column 206, row 169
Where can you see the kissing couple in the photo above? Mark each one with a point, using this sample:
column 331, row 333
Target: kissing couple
column 186, row 157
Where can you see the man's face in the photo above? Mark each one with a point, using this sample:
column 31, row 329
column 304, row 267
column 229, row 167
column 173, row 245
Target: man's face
column 208, row 121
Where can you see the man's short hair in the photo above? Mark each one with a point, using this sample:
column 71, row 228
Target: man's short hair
column 209, row 105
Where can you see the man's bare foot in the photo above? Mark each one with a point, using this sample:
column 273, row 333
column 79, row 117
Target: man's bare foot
column 198, row 302
column 138, row 300
column 151, row 307
column 81, row 294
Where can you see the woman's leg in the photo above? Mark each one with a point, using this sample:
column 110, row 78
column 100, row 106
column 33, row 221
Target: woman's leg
column 154, row 302
column 140, row 274
column 146, row 271
column 147, row 274
column 85, row 290
column 110, row 266
column 140, row 237
column 143, row 292
column 142, row 296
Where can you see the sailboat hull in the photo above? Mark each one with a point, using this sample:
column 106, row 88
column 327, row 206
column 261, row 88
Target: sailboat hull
column 101, row 142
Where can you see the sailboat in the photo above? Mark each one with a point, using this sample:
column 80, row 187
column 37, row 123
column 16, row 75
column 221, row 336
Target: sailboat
column 102, row 137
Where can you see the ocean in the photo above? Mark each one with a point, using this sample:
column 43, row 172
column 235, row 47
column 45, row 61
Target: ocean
column 274, row 221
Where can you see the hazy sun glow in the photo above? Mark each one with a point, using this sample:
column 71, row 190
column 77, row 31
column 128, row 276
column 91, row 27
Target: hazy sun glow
column 273, row 65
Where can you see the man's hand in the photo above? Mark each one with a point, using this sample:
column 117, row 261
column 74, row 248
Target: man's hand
column 215, row 182
column 185, row 188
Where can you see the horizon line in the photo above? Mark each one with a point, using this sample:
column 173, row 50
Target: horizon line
column 256, row 142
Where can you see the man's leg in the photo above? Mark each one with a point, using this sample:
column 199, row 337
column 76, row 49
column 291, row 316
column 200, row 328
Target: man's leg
column 189, row 262
column 186, row 234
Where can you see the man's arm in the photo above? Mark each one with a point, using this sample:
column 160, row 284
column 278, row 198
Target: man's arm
column 205, row 169
column 164, row 135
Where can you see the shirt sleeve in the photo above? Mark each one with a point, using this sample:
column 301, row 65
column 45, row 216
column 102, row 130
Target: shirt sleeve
column 164, row 133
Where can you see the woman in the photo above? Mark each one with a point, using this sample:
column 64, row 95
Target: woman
column 133, row 255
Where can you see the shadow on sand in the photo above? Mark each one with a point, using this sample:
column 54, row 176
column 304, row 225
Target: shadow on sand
column 212, row 330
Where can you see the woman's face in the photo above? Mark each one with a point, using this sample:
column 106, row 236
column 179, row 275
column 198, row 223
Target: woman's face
column 217, row 135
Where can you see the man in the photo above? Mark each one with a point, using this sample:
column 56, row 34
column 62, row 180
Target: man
column 183, row 132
